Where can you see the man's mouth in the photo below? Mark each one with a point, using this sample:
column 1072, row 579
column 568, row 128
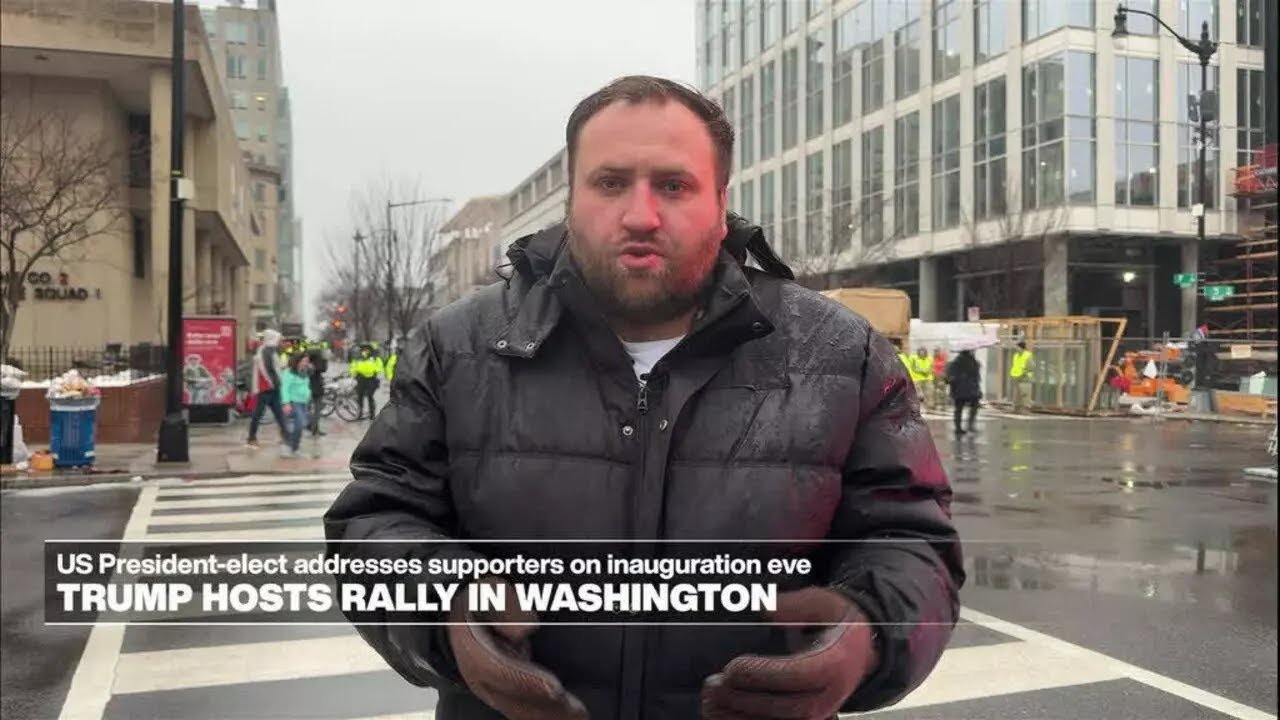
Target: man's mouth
column 638, row 256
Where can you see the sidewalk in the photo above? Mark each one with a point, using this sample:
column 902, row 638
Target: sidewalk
column 215, row 451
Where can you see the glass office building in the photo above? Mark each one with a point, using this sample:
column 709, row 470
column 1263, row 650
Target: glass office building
column 1004, row 155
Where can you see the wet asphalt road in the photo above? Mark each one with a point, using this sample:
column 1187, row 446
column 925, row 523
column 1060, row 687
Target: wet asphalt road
column 38, row 661
column 1138, row 540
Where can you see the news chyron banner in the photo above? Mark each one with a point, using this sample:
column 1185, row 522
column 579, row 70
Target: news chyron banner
column 424, row 582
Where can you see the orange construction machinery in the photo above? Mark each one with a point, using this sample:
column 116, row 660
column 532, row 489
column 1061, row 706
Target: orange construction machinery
column 1131, row 374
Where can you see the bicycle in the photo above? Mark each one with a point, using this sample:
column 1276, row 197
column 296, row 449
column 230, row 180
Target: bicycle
column 340, row 397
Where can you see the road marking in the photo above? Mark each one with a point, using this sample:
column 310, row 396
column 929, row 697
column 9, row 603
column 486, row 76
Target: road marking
column 220, row 502
column 247, row 515
column 1089, row 657
column 315, row 532
column 245, row 663
column 311, row 485
column 90, row 688
column 253, row 479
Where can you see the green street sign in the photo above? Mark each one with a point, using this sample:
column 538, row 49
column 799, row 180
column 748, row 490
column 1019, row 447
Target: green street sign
column 1218, row 292
column 1184, row 280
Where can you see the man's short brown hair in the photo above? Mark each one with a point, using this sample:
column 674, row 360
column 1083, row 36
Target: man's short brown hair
column 641, row 88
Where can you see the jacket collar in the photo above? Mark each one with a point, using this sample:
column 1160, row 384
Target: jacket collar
column 733, row 312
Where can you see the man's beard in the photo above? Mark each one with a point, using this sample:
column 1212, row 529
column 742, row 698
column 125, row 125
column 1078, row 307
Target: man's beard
column 664, row 295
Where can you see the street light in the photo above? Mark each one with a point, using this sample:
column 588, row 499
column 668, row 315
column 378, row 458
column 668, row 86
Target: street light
column 172, row 444
column 1207, row 104
column 391, row 259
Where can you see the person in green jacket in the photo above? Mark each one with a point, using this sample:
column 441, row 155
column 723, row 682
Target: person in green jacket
column 295, row 394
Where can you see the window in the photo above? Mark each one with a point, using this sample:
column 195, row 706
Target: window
column 1142, row 24
column 259, row 259
column 815, row 7
column 790, row 98
column 988, row 29
column 946, row 39
column 768, row 111
column 906, row 175
column 236, row 33
column 767, row 204
column 747, row 200
column 770, row 23
column 989, row 149
column 242, row 129
column 790, row 208
column 1188, row 151
column 262, row 68
column 262, row 102
column 946, row 163
column 235, row 66
column 264, row 132
column 239, row 100
column 906, row 48
column 815, row 78
column 790, row 16
column 262, row 35
column 1192, row 14
column 1040, row 17
column 750, row 31
column 729, row 37
column 1249, row 14
column 1137, row 132
column 1250, row 90
column 814, row 229
column 260, row 293
column 842, row 196
column 259, row 192
column 1058, row 130
column 730, row 104
column 871, row 25
column 747, row 130
column 872, row 200
column 842, row 82
column 141, row 248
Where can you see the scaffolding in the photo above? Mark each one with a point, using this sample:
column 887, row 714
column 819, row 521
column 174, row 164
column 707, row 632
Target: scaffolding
column 1070, row 357
column 1248, row 315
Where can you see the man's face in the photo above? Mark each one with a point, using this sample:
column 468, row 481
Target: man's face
column 645, row 217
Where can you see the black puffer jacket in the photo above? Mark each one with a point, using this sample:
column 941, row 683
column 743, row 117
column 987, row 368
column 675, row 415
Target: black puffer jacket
column 964, row 377
column 782, row 415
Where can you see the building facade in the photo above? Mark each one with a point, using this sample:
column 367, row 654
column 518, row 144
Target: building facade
column 246, row 46
column 538, row 202
column 103, row 65
column 470, row 248
column 991, row 156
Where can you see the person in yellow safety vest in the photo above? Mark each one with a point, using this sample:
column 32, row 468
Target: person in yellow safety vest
column 1020, row 374
column 367, row 368
column 920, row 366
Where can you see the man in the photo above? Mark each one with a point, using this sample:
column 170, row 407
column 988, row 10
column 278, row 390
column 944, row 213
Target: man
column 319, row 366
column 366, row 368
column 1020, row 375
column 964, row 377
column 264, row 384
column 922, row 375
column 635, row 379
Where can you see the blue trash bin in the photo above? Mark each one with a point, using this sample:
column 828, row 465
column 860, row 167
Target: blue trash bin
column 72, row 424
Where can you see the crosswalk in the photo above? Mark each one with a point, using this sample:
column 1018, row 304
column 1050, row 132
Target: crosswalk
column 991, row 669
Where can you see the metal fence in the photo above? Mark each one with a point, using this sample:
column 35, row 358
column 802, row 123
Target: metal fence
column 126, row 363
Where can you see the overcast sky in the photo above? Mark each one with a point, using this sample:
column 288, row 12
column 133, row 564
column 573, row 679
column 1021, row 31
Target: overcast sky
column 470, row 96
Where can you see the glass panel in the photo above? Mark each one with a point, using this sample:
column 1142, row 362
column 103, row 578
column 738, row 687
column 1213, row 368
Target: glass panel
column 1030, row 199
column 1143, row 172
column 1052, row 88
column 1050, row 174
column 1082, row 171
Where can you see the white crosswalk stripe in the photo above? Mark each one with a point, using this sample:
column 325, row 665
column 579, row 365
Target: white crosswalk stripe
column 330, row 672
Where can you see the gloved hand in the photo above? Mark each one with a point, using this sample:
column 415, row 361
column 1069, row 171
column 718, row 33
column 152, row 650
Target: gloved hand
column 810, row 684
column 495, row 662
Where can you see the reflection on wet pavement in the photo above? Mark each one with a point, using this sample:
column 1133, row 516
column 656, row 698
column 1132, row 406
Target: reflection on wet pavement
column 1159, row 512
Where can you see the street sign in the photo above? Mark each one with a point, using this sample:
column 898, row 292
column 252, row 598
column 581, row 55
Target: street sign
column 1218, row 292
column 1184, row 280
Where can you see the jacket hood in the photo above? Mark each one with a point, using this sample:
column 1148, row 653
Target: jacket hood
column 535, row 255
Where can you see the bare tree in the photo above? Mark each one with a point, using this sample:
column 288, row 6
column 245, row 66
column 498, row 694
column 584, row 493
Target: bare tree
column 359, row 293
column 60, row 189
column 1003, row 252
column 845, row 246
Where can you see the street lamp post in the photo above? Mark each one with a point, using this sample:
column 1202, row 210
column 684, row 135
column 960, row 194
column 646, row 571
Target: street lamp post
column 172, row 444
column 355, row 294
column 1203, row 50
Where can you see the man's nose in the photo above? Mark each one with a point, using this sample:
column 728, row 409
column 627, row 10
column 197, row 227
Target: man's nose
column 641, row 215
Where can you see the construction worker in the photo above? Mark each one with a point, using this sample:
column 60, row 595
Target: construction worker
column 367, row 368
column 1020, row 375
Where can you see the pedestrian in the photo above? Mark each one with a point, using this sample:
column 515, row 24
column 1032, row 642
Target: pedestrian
column 319, row 360
column 1020, row 375
column 392, row 359
column 367, row 369
column 264, row 385
column 939, row 378
column 295, row 394
column 636, row 378
column 922, row 375
column 964, row 377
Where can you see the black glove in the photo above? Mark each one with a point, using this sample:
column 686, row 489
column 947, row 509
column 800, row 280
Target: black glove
column 825, row 668
column 495, row 662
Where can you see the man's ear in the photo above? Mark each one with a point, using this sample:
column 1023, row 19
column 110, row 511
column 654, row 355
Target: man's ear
column 724, row 211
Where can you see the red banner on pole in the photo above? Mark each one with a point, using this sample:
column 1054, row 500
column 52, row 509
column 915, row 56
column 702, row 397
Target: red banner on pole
column 208, row 361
